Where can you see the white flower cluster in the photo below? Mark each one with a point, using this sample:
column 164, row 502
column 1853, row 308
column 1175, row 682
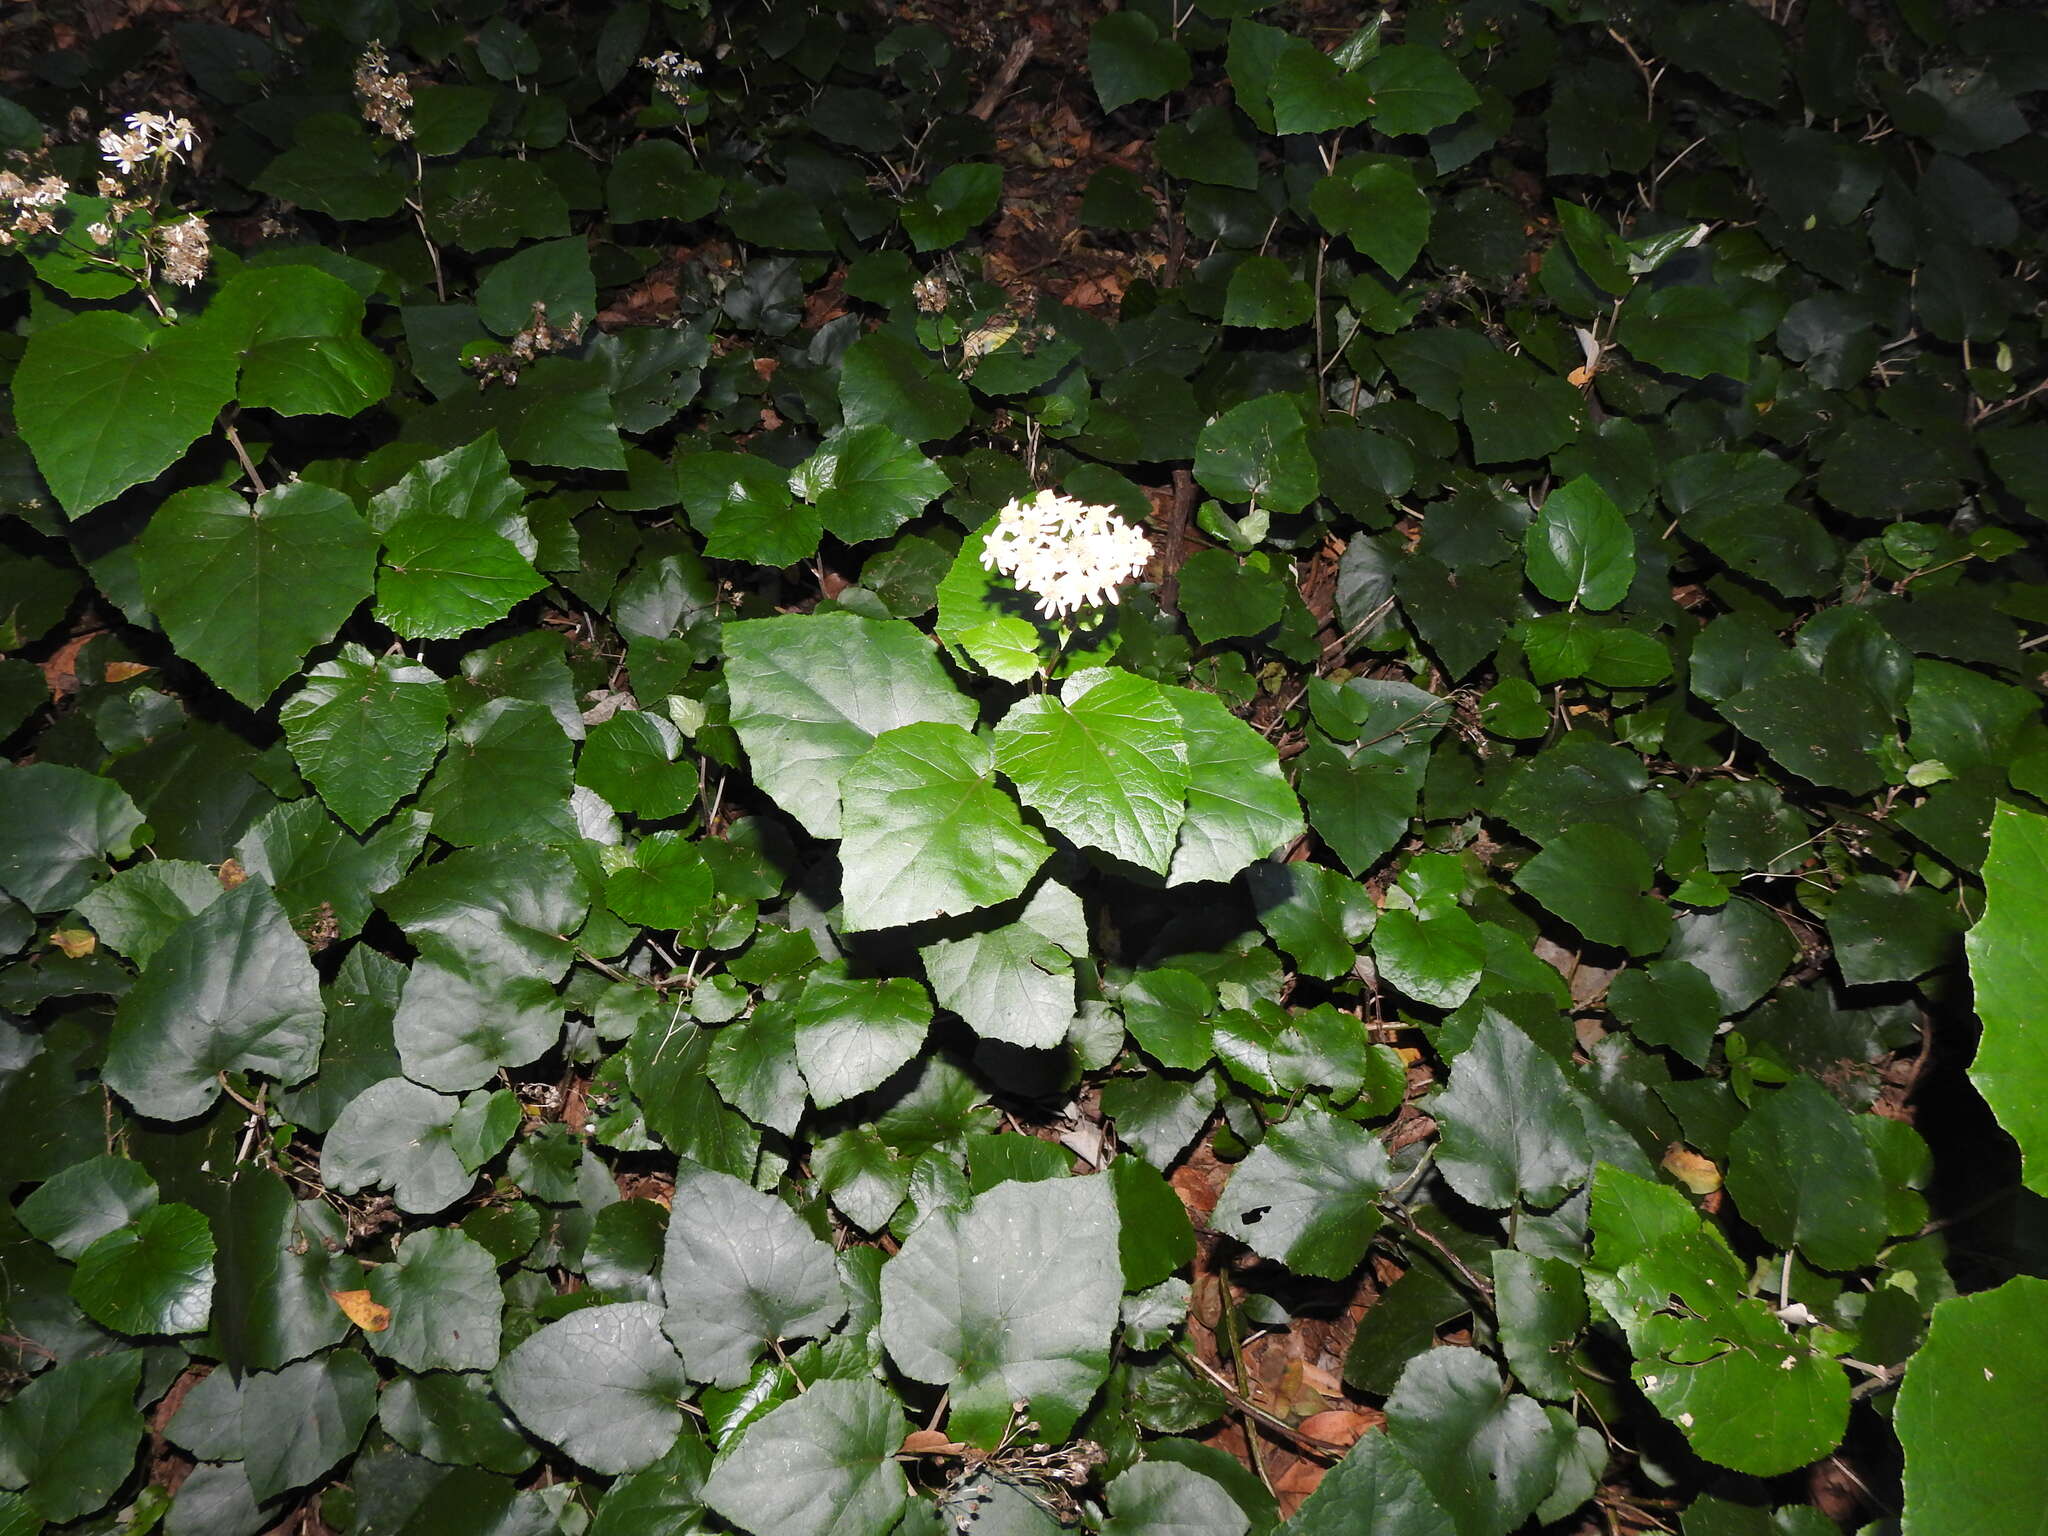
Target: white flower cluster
column 672, row 75
column 150, row 136
column 185, row 247
column 385, row 98
column 1070, row 554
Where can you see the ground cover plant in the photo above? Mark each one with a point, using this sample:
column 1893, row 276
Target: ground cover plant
column 820, row 769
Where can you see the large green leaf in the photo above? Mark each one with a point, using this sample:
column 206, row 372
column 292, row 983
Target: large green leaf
column 442, row 1293
column 1305, row 1195
column 71, row 1434
column 62, row 827
column 602, row 1385
column 1013, row 1297
column 885, row 381
column 1257, row 453
column 400, row 1135
column 1012, row 982
column 811, row 693
column 927, row 832
column 153, row 1276
column 1415, row 88
column 867, row 482
column 1435, row 959
column 742, row 505
column 1598, row 879
column 451, row 1417
column 107, row 400
column 1376, row 205
column 852, row 1033
column 74, row 1209
column 298, row 1422
column 246, row 590
column 1374, row 1491
column 1239, row 804
column 365, row 729
column 323, row 876
column 740, row 1273
column 300, row 334
column 1747, row 1393
column 1488, row 1455
column 1512, row 1130
column 1968, row 1393
column 1165, row 1498
column 820, row 1465
column 1106, row 764
column 136, row 910
column 444, row 576
column 278, row 1263
column 506, row 775
column 2009, row 970
column 1129, row 61
column 232, row 989
column 1804, row 1177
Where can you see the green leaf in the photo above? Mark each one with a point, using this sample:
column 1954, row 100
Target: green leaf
column 1222, row 598
column 1514, row 410
column 1164, row 1498
column 1106, row 764
column 1377, row 206
column 232, row 989
column 473, row 483
column 1488, row 1455
column 442, row 1292
column 298, row 1422
column 401, row 1136
column 1129, row 61
column 1154, row 1235
column 810, row 693
column 73, row 1209
column 482, row 204
column 277, row 1265
column 444, row 576
column 853, row 1033
column 364, row 730
column 1714, row 1361
column 338, row 169
column 1436, row 960
column 300, row 335
column 452, row 1418
column 1265, row 295
column 106, row 400
column 960, row 197
column 741, row 1272
column 867, row 482
column 1239, row 804
column 246, row 590
column 601, row 1385
column 1580, row 550
column 753, row 1063
column 741, row 504
column 1981, row 1373
column 1012, row 1298
column 1694, row 332
column 1541, row 1304
column 668, row 884
column 822, row 1464
column 551, row 274
column 884, row 381
column 1257, row 453
column 1598, row 879
column 1314, row 914
column 71, row 1433
column 153, row 1276
column 1804, row 1177
column 1415, row 88
column 1311, row 95
column 1305, row 1196
column 2009, row 972
column 505, row 776
column 927, row 832
column 1374, row 1489
column 1167, row 1011
column 64, row 826
column 1012, row 983
column 659, row 179
column 629, row 760
column 1512, row 1131
column 136, row 910
column 863, row 1175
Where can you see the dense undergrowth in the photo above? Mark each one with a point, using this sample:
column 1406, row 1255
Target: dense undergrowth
column 581, row 958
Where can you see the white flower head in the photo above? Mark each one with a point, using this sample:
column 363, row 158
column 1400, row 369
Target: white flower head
column 385, row 97
column 150, row 136
column 1069, row 554
column 672, row 76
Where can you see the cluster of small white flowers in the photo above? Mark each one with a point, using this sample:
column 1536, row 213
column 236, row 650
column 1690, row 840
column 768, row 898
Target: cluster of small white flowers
column 150, row 136
column 672, row 75
column 385, row 98
column 32, row 202
column 1070, row 554
column 186, row 247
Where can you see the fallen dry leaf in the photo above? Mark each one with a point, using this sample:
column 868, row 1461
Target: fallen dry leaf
column 1695, row 1172
column 368, row 1315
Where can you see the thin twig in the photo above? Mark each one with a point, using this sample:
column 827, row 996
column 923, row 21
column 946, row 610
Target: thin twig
column 1013, row 66
column 1272, row 1421
column 248, row 466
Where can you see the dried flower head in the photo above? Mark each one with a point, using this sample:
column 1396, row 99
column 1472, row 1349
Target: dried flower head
column 32, row 204
column 1070, row 554
column 930, row 292
column 672, row 75
column 385, row 97
column 185, row 247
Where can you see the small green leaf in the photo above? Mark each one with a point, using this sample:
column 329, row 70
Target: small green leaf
column 401, row 1136
column 1164, row 1498
column 1599, row 879
column 298, row 1422
column 1415, row 88
column 1129, row 61
column 667, row 885
column 1377, row 206
column 960, row 197
column 445, row 1303
column 1804, row 1177
column 1512, row 1130
column 1305, row 1195
column 1256, row 453
column 1488, row 1455
column 1436, row 960
column 884, row 381
column 444, row 576
column 867, row 482
column 853, row 1033
column 1264, row 295
column 153, row 1276
column 365, row 729
column 1579, row 549
column 300, row 335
